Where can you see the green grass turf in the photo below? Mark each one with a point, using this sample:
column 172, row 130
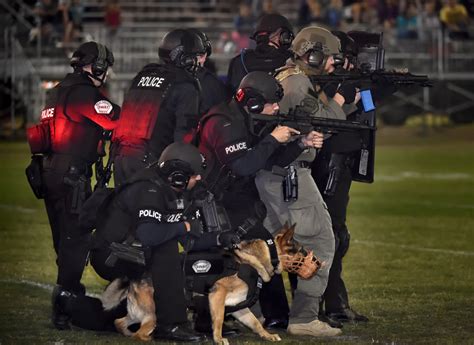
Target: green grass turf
column 409, row 268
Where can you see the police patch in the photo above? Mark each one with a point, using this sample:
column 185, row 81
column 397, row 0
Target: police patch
column 235, row 147
column 201, row 266
column 103, row 107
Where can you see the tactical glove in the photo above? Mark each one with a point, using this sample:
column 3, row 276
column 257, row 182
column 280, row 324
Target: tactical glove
column 196, row 229
column 330, row 88
column 227, row 239
column 348, row 91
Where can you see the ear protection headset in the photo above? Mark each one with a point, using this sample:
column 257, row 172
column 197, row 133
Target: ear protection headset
column 100, row 65
column 180, row 58
column 284, row 39
column 178, row 172
column 252, row 99
column 316, row 56
column 339, row 60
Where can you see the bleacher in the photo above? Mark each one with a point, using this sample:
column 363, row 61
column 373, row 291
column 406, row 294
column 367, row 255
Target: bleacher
column 144, row 23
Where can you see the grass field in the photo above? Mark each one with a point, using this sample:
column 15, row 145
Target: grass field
column 409, row 269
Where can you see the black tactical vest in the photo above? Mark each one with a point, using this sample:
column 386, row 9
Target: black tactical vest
column 77, row 136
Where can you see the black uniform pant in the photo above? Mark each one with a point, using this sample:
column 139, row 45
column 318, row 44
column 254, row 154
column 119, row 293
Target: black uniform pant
column 335, row 297
column 64, row 194
column 273, row 300
column 166, row 273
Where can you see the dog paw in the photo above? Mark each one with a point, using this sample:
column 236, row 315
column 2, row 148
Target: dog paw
column 223, row 341
column 142, row 337
column 271, row 337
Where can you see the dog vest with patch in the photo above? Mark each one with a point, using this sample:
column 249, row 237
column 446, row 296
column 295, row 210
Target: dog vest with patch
column 202, row 269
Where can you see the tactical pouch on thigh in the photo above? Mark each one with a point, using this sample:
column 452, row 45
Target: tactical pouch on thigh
column 33, row 175
column 39, row 138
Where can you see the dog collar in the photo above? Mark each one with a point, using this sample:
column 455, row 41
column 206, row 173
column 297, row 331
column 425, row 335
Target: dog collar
column 273, row 253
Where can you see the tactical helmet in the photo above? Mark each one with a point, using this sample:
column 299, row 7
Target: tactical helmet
column 205, row 41
column 257, row 89
column 315, row 37
column 180, row 47
column 179, row 161
column 93, row 53
column 270, row 23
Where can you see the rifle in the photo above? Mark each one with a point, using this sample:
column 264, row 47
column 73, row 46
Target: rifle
column 134, row 253
column 365, row 79
column 303, row 121
column 103, row 173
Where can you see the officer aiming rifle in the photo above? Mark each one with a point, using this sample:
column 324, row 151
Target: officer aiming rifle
column 302, row 120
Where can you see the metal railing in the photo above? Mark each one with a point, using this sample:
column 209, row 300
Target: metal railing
column 25, row 81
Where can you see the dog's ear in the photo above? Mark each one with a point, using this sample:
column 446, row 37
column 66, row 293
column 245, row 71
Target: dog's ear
column 288, row 232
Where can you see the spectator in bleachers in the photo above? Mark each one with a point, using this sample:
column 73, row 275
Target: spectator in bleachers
column 244, row 24
column 407, row 22
column 364, row 13
column 73, row 13
column 454, row 17
column 388, row 13
column 334, row 13
column 112, row 19
column 428, row 21
column 310, row 11
column 47, row 11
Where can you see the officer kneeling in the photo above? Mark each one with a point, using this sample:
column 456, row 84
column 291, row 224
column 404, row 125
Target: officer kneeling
column 154, row 210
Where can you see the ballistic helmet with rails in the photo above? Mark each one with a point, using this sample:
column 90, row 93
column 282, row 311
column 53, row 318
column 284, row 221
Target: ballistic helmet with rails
column 318, row 44
column 270, row 23
column 205, row 41
column 178, row 162
column 95, row 54
column 257, row 89
column 180, row 47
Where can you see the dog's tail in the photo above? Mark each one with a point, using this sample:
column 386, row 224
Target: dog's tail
column 115, row 293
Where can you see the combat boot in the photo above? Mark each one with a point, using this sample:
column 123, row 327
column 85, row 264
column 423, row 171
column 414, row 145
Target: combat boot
column 314, row 328
column 60, row 299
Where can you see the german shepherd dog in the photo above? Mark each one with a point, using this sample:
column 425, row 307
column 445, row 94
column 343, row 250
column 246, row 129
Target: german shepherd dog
column 227, row 291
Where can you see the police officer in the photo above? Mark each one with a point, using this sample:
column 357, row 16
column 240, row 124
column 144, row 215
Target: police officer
column 73, row 121
column 146, row 216
column 213, row 91
column 332, row 171
column 273, row 36
column 235, row 153
column 160, row 107
column 154, row 208
column 313, row 49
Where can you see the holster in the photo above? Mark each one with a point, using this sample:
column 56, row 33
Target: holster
column 215, row 217
column 33, row 175
column 337, row 163
column 290, row 185
column 79, row 184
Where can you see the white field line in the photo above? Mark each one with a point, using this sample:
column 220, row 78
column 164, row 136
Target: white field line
column 416, row 248
column 17, row 208
column 407, row 175
column 48, row 287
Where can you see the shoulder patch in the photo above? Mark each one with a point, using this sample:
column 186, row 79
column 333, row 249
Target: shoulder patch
column 285, row 73
column 103, row 107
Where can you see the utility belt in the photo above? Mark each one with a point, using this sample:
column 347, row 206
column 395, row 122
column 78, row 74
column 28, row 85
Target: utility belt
column 66, row 163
